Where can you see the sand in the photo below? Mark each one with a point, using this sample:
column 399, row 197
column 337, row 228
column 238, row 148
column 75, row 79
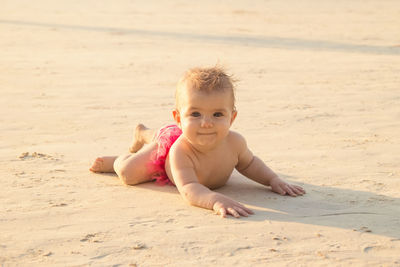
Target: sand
column 318, row 101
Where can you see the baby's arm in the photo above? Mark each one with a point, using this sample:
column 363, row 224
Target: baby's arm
column 196, row 194
column 255, row 169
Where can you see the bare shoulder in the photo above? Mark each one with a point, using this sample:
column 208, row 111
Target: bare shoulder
column 180, row 166
column 180, row 153
column 237, row 141
column 245, row 156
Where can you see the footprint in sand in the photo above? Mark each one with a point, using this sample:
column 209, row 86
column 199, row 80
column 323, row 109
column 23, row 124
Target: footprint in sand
column 139, row 245
column 363, row 229
column 369, row 249
column 92, row 238
column 59, row 205
column 36, row 155
column 39, row 253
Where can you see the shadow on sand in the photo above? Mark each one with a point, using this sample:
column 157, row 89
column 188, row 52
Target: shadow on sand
column 254, row 41
column 325, row 206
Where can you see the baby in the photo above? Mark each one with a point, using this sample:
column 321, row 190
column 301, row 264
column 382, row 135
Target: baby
column 199, row 152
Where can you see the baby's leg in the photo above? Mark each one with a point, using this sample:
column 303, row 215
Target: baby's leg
column 143, row 135
column 132, row 168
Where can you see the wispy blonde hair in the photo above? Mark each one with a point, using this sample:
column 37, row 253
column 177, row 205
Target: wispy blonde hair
column 212, row 79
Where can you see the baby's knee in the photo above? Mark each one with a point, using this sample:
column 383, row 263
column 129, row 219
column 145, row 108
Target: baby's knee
column 128, row 177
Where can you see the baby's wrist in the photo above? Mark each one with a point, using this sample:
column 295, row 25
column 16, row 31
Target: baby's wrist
column 214, row 198
column 217, row 200
column 273, row 178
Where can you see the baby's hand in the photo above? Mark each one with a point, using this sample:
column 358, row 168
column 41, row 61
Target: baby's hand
column 281, row 187
column 225, row 205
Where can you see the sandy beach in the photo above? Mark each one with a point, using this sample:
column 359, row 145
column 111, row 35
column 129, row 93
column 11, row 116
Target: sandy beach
column 318, row 100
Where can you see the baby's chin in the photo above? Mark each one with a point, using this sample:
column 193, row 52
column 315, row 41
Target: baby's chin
column 207, row 141
column 204, row 142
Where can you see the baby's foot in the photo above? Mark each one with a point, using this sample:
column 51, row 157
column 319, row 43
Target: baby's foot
column 138, row 141
column 103, row 164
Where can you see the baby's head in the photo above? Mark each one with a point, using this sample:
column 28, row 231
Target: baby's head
column 205, row 106
column 205, row 80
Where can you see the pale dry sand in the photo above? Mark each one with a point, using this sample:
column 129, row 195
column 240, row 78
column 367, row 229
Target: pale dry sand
column 318, row 100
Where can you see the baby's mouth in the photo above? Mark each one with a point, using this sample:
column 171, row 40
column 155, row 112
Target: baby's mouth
column 206, row 133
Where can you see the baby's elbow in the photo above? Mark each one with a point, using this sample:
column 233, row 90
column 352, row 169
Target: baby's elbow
column 245, row 168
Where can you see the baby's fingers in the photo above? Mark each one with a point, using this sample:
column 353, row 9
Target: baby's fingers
column 233, row 212
column 242, row 212
column 298, row 190
column 247, row 210
column 222, row 212
column 236, row 210
column 279, row 190
column 288, row 189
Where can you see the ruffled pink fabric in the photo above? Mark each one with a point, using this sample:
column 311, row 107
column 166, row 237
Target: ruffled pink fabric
column 165, row 138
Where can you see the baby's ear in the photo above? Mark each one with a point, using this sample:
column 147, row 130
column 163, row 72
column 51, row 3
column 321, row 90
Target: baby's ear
column 177, row 116
column 234, row 114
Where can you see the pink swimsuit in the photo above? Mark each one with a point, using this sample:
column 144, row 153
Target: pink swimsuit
column 165, row 138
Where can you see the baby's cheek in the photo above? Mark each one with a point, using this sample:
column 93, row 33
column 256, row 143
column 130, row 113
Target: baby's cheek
column 226, row 125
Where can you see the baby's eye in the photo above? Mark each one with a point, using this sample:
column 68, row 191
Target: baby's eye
column 218, row 114
column 195, row 114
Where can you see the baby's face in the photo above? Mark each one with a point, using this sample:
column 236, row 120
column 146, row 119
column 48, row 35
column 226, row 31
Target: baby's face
column 205, row 118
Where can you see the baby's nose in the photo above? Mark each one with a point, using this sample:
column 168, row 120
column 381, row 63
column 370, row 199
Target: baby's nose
column 206, row 122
